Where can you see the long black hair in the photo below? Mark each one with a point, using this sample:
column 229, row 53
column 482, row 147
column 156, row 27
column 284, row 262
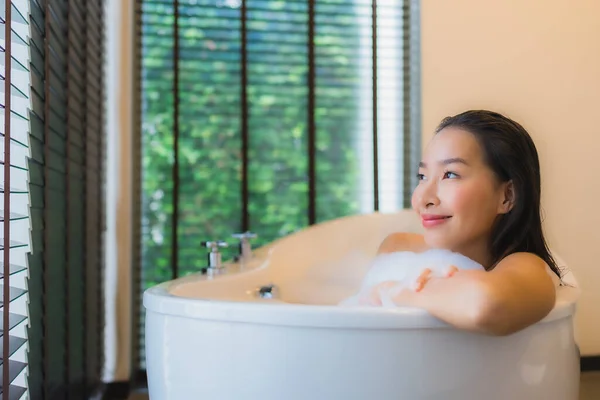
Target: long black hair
column 511, row 154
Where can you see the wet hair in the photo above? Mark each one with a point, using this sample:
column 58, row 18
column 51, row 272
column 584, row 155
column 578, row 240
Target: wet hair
column 510, row 152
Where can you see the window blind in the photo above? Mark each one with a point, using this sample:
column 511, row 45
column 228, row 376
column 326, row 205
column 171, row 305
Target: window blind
column 65, row 170
column 267, row 115
column 14, row 215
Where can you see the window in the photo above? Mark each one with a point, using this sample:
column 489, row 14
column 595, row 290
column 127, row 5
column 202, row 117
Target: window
column 269, row 116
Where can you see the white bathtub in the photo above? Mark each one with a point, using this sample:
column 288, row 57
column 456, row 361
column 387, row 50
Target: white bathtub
column 212, row 338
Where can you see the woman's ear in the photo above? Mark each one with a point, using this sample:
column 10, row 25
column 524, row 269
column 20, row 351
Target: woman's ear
column 508, row 198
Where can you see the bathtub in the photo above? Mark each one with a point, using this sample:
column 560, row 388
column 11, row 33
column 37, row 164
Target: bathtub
column 212, row 337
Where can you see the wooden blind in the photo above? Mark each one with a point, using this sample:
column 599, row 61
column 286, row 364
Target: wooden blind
column 52, row 186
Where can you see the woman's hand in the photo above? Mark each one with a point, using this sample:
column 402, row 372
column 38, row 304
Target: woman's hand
column 402, row 296
column 374, row 296
column 425, row 276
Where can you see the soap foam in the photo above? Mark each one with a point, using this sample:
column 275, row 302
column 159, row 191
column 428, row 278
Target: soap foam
column 404, row 268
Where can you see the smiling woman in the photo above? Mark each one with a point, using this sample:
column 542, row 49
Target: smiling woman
column 479, row 195
column 459, row 194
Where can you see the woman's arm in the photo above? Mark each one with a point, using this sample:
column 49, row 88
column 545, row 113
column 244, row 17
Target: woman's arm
column 517, row 293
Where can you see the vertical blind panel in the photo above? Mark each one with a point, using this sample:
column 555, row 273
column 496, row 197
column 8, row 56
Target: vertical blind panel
column 76, row 289
column 344, row 112
column 209, row 128
column 156, row 189
column 76, row 191
column 156, row 141
column 92, row 269
column 14, row 356
column 35, row 282
column 277, row 98
column 412, row 97
column 65, row 170
column 95, row 133
column 55, row 194
column 390, row 100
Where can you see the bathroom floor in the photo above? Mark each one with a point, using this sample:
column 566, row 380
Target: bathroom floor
column 590, row 388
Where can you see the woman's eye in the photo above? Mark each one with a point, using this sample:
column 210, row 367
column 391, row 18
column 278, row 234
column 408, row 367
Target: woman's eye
column 420, row 177
column 450, row 175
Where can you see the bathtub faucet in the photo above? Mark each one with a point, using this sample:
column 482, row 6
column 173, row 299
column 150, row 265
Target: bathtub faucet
column 214, row 256
column 245, row 247
column 269, row 291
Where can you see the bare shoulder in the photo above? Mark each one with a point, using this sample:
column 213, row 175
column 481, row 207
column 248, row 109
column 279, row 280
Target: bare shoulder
column 522, row 262
column 402, row 241
column 525, row 270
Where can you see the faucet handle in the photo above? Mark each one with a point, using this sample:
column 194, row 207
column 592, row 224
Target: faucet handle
column 245, row 248
column 214, row 245
column 244, row 235
column 214, row 256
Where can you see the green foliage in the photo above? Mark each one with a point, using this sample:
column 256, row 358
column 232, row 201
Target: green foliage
column 210, row 118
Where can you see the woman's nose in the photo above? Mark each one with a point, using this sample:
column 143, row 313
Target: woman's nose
column 430, row 196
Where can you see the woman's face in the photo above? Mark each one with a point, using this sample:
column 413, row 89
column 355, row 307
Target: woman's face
column 458, row 196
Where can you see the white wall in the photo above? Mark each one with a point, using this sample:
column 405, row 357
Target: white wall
column 538, row 61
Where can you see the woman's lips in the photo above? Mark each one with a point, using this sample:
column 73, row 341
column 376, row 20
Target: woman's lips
column 429, row 221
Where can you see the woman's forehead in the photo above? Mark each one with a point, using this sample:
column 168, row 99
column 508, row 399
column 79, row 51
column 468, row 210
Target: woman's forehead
column 453, row 143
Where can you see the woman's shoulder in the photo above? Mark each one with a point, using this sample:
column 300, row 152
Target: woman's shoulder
column 402, row 241
column 518, row 261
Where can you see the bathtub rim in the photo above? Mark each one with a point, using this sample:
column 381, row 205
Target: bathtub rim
column 158, row 299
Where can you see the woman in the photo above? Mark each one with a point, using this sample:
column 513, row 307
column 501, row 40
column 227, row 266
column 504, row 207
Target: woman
column 479, row 195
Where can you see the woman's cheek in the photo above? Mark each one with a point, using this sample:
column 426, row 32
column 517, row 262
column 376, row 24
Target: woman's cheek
column 457, row 198
column 415, row 198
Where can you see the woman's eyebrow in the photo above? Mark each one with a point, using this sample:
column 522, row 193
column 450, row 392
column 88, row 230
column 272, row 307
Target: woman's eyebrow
column 447, row 161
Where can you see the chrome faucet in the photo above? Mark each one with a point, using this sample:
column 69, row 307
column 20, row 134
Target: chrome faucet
column 244, row 246
column 214, row 256
column 269, row 291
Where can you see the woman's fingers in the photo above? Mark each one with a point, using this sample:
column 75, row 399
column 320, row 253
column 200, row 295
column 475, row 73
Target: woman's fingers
column 426, row 276
column 451, row 271
column 422, row 279
column 374, row 298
